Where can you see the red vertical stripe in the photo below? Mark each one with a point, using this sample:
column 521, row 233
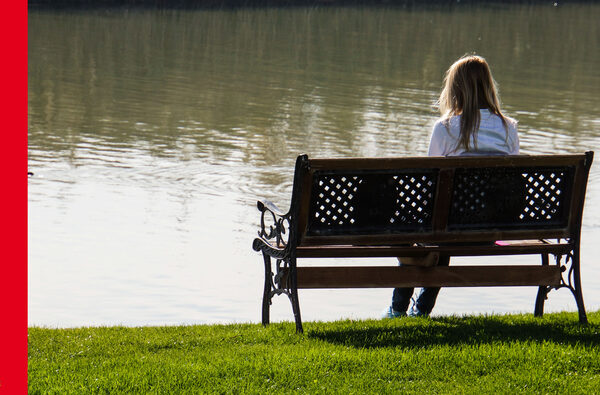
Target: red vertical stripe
column 13, row 220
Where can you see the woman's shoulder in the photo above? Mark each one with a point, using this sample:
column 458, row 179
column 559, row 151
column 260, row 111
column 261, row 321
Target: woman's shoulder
column 509, row 120
column 447, row 124
column 488, row 116
column 512, row 123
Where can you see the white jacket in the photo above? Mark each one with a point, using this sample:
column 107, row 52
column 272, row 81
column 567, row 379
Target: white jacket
column 492, row 137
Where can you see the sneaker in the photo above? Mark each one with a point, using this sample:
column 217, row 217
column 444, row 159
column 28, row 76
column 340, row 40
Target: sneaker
column 391, row 313
column 415, row 312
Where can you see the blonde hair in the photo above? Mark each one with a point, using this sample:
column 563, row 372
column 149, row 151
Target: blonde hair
column 469, row 87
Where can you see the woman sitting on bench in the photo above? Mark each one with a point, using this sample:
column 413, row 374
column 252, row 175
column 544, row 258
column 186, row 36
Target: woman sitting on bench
column 471, row 124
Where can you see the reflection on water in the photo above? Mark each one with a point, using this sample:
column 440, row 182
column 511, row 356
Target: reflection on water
column 152, row 133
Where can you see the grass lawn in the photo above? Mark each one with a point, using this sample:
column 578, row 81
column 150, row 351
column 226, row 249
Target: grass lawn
column 473, row 354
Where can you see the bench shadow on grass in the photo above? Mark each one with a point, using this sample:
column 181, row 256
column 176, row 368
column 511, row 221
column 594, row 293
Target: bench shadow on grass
column 457, row 331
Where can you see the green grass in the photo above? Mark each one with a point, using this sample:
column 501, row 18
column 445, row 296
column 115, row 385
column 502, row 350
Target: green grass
column 475, row 354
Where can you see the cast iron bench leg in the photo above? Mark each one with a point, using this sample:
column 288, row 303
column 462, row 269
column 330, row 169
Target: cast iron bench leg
column 577, row 283
column 294, row 295
column 267, row 292
column 542, row 293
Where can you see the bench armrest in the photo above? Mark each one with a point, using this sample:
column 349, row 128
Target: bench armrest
column 274, row 225
column 263, row 205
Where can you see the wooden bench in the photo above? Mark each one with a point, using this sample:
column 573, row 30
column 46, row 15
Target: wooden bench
column 410, row 207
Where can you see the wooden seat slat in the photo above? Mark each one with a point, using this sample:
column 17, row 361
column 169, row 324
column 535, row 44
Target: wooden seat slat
column 525, row 248
column 409, row 276
column 448, row 237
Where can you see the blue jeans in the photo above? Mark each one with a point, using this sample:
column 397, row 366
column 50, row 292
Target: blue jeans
column 425, row 300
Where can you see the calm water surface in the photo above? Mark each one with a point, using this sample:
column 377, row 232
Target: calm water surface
column 152, row 133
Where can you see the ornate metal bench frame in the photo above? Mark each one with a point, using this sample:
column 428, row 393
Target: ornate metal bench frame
column 458, row 206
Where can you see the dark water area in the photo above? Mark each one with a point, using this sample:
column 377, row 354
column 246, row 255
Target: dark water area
column 152, row 132
column 211, row 4
column 208, row 4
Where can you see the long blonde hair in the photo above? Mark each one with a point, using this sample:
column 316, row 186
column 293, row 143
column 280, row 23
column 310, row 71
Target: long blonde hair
column 469, row 87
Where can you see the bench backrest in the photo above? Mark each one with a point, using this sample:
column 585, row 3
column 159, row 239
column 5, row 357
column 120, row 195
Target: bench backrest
column 364, row 201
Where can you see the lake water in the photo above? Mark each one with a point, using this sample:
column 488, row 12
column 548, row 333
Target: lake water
column 152, row 133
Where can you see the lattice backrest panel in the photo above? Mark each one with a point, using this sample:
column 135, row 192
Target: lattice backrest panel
column 362, row 203
column 510, row 198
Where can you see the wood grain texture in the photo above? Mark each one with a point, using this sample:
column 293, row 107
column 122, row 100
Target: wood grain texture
column 452, row 276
